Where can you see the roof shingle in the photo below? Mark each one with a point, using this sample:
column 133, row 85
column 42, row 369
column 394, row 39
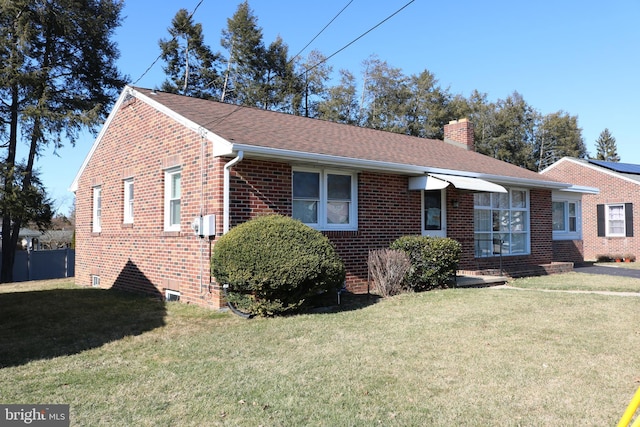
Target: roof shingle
column 274, row 130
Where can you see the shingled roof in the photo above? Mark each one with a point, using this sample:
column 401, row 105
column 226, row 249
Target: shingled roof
column 265, row 133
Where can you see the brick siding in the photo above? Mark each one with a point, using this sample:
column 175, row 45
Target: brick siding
column 141, row 143
column 612, row 190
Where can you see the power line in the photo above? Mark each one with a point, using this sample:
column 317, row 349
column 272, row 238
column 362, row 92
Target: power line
column 357, row 38
column 321, row 31
column 160, row 55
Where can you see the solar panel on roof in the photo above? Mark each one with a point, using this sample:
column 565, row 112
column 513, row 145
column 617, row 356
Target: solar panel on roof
column 618, row 167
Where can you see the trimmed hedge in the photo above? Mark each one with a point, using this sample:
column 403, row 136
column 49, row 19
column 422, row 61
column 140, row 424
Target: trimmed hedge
column 273, row 264
column 434, row 261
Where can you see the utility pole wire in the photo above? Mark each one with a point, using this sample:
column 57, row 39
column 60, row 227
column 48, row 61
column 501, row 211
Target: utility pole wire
column 357, row 38
column 172, row 39
column 321, row 31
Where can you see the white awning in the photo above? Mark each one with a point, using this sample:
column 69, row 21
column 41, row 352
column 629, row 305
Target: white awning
column 437, row 181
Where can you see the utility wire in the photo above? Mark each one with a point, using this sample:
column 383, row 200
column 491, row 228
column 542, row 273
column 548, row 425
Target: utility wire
column 321, row 31
column 357, row 38
column 160, row 56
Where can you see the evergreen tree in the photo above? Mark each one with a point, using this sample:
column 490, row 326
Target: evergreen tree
column 606, row 148
column 429, row 107
column 386, row 97
column 246, row 59
column 557, row 136
column 314, row 74
column 512, row 134
column 57, row 76
column 256, row 75
column 341, row 104
column 191, row 66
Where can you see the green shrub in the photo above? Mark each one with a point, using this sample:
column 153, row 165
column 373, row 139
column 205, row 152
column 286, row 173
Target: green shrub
column 434, row 261
column 273, row 264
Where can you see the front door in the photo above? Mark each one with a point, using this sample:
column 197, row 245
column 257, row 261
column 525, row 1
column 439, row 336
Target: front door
column 434, row 215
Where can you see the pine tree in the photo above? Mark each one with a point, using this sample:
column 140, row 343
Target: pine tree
column 341, row 104
column 191, row 66
column 606, row 148
column 246, row 58
column 557, row 136
column 57, row 77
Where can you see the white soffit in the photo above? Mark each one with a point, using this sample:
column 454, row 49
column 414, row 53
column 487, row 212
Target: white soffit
column 436, row 181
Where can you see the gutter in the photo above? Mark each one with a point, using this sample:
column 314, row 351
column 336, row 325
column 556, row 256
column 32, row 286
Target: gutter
column 300, row 157
column 226, row 190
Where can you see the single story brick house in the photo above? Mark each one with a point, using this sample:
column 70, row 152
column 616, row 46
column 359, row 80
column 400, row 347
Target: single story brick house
column 608, row 222
column 207, row 165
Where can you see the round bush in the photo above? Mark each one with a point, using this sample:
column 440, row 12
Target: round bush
column 273, row 264
column 434, row 261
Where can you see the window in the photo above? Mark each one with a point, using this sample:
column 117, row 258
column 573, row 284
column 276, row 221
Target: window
column 325, row 199
column 97, row 210
column 95, row 281
column 128, row 201
column 501, row 223
column 615, row 220
column 172, row 192
column 565, row 217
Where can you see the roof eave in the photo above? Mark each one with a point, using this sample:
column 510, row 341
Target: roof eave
column 231, row 149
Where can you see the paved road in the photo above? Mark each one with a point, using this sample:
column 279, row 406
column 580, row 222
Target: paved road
column 610, row 271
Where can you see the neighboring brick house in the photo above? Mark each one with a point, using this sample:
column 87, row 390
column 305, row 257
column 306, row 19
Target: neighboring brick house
column 189, row 158
column 608, row 224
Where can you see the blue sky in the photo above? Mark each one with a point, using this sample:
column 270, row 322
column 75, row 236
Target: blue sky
column 578, row 57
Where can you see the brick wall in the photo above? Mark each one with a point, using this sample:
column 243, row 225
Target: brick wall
column 141, row 256
column 142, row 143
column 612, row 190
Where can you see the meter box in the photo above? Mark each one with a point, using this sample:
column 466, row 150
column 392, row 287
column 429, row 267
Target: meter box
column 204, row 226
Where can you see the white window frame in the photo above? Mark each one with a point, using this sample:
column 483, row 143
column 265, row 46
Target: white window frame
column 129, row 196
column 567, row 233
column 608, row 220
column 323, row 223
column 442, row 232
column 487, row 241
column 97, row 210
column 169, row 174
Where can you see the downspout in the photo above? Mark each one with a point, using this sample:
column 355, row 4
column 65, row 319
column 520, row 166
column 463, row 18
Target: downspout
column 226, row 190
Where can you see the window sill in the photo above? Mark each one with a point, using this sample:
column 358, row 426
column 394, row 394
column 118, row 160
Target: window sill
column 171, row 233
column 127, row 225
column 96, row 233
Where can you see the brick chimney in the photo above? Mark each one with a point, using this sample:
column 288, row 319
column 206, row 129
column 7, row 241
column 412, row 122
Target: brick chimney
column 460, row 132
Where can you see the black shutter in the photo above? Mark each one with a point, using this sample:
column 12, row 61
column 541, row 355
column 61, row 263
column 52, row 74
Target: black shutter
column 628, row 219
column 601, row 221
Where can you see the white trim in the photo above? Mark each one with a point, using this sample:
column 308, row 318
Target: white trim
column 323, row 223
column 168, row 180
column 566, row 198
column 468, row 183
column 607, row 207
column 96, row 210
column 171, row 295
column 443, row 215
column 380, row 166
column 591, row 166
column 128, row 200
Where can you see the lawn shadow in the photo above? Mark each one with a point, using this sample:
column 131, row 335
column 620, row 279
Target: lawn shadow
column 346, row 301
column 60, row 322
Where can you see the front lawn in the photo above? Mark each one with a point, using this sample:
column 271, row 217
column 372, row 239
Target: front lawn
column 453, row 357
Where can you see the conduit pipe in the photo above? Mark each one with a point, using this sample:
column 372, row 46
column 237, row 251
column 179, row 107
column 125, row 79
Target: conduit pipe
column 226, row 190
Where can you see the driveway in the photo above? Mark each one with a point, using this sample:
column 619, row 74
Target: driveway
column 609, row 271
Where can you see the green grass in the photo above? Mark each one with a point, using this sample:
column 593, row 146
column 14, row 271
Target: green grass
column 579, row 282
column 453, row 357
